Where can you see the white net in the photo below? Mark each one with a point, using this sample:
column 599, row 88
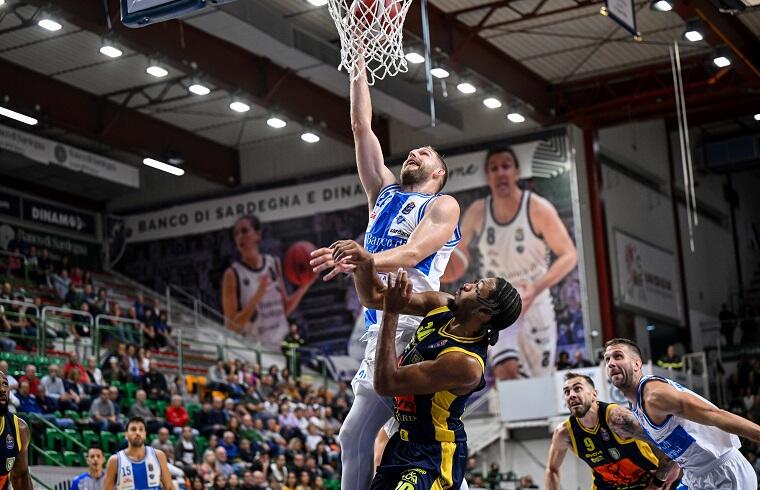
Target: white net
column 371, row 30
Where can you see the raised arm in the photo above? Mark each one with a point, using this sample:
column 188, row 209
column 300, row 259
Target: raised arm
column 21, row 479
column 452, row 371
column 625, row 425
column 373, row 173
column 662, row 399
column 434, row 231
column 557, row 451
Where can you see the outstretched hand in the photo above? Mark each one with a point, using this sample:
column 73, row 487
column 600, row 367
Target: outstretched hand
column 398, row 293
column 342, row 256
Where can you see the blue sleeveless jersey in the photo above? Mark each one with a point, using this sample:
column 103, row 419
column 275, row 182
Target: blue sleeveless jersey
column 139, row 475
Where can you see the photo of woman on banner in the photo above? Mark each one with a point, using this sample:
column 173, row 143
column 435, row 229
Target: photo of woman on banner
column 255, row 301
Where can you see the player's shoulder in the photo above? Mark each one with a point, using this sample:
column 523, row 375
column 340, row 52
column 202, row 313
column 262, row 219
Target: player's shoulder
column 539, row 203
column 445, row 203
column 562, row 432
column 477, row 206
column 81, row 477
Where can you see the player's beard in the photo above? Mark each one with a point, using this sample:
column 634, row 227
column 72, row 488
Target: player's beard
column 414, row 176
column 625, row 380
column 137, row 445
column 582, row 410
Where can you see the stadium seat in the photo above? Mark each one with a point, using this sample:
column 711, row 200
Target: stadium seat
column 72, row 435
column 53, row 439
column 192, row 409
column 71, row 458
column 108, row 442
column 89, row 437
column 72, row 414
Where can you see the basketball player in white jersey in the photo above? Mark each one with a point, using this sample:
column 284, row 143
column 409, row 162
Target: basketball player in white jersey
column 138, row 467
column 515, row 232
column 254, row 298
column 410, row 226
column 697, row 435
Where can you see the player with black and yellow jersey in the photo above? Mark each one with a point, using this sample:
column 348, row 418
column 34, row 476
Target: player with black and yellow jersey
column 600, row 435
column 439, row 369
column 14, row 442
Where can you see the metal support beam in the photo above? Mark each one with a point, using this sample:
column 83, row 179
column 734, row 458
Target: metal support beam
column 105, row 121
column 229, row 66
column 472, row 52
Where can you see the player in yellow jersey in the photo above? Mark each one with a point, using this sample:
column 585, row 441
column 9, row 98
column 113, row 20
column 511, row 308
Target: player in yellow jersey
column 601, row 435
column 14, row 444
column 441, row 366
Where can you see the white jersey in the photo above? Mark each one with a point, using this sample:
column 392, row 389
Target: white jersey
column 268, row 323
column 694, row 447
column 138, row 475
column 513, row 250
column 393, row 219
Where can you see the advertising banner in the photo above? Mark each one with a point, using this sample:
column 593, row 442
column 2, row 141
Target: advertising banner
column 58, row 217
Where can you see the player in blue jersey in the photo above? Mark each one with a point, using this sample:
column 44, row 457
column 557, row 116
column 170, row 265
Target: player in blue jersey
column 139, row 467
column 697, row 435
column 14, row 445
column 410, row 225
column 93, row 478
column 441, row 366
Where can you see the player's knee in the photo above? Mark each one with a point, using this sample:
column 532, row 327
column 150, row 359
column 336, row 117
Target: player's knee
column 507, row 369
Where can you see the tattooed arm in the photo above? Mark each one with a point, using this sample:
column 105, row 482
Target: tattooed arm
column 626, row 426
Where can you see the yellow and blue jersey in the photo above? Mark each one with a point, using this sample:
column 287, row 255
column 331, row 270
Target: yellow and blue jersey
column 10, row 447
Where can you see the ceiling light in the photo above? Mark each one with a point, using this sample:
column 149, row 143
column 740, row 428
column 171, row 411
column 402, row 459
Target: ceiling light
column 276, row 122
column 317, row 3
column 439, row 72
column 492, row 102
column 18, row 116
column 415, row 58
column 662, row 5
column 515, row 117
column 49, row 24
column 239, row 106
column 110, row 50
column 156, row 70
column 199, row 89
column 2, row 2
column 721, row 61
column 693, row 36
column 694, row 31
column 466, row 88
column 309, row 137
column 163, row 166
column 757, row 116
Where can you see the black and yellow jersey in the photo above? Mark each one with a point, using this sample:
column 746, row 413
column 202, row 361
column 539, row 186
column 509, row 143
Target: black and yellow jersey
column 436, row 417
column 622, row 464
column 10, row 446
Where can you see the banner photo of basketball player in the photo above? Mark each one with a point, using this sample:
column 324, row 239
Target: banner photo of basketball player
column 531, row 229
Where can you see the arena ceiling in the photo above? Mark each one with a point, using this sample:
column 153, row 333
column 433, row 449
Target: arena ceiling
column 554, row 61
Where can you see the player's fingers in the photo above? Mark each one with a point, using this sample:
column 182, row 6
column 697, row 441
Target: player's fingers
column 323, row 267
column 321, row 251
column 330, row 275
column 321, row 260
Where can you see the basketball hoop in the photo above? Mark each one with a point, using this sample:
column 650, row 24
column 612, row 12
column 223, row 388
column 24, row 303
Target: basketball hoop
column 371, row 30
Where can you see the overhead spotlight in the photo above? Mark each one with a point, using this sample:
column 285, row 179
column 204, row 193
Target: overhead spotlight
column 439, row 72
column 199, row 89
column 492, row 102
column 49, row 24
column 165, row 167
column 722, row 57
column 309, row 137
column 662, row 5
column 516, row 117
column 109, row 49
column 466, row 88
column 317, row 3
column 694, row 31
column 757, row 116
column 276, row 123
column 2, row 2
column 239, row 106
column 17, row 116
column 156, row 70
column 414, row 57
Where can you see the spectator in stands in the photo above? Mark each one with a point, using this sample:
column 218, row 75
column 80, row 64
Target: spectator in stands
column 101, row 305
column 94, row 374
column 139, row 306
column 207, row 469
column 79, row 327
column 162, row 442
column 211, row 418
column 12, row 382
column 73, row 363
column 223, row 467
column 493, row 478
column 7, row 344
column 154, row 383
column 163, row 332
column 76, row 390
column 76, row 273
column 6, row 292
column 104, row 413
column 87, row 278
column 30, row 376
column 72, row 298
column 564, row 361
column 186, row 449
column 313, row 438
column 49, row 406
column 291, row 482
column 53, row 384
column 133, row 368
column 216, row 377
column 290, row 349
column 93, row 478
column 138, row 409
column 727, row 324
column 61, row 283
column 671, row 360
column 45, row 267
column 177, row 416
column 19, row 242
column 580, row 361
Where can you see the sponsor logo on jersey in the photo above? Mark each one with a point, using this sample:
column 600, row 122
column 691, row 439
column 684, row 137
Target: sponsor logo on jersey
column 9, row 441
column 408, row 208
column 520, row 249
column 400, row 219
column 373, row 215
column 246, row 282
column 398, row 232
column 440, row 343
column 605, row 435
column 614, row 453
column 519, row 234
column 9, row 463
